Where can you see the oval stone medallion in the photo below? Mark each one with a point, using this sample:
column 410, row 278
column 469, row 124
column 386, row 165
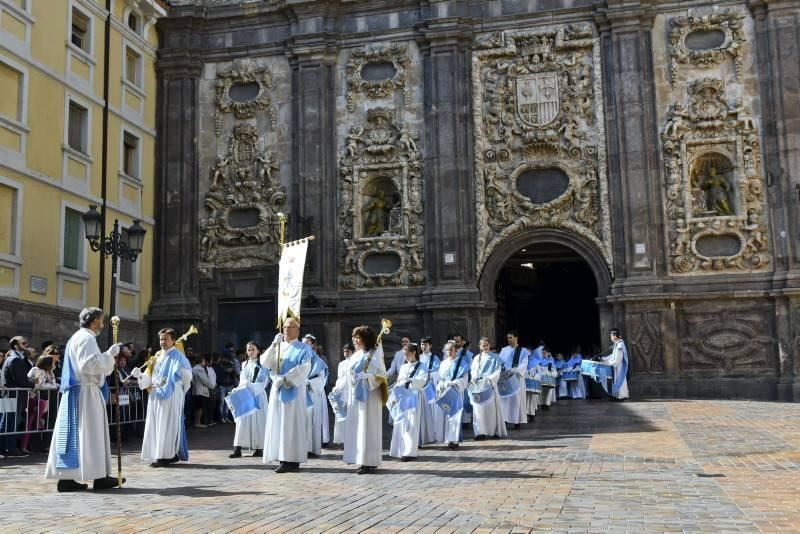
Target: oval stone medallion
column 542, row 185
column 382, row 263
column 718, row 246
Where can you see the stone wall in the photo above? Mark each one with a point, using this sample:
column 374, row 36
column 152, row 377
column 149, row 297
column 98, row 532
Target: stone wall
column 423, row 143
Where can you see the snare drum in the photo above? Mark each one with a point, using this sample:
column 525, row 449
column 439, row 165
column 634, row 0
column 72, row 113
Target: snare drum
column 338, row 401
column 480, row 391
column 450, row 401
column 508, row 384
column 533, row 386
column 401, row 401
column 242, row 402
column 570, row 376
column 548, row 381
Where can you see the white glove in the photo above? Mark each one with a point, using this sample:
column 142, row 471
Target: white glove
column 364, row 376
column 279, row 381
column 136, row 373
column 278, row 339
column 403, row 382
column 113, row 350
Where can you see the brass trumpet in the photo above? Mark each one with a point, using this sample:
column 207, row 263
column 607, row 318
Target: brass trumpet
column 147, row 368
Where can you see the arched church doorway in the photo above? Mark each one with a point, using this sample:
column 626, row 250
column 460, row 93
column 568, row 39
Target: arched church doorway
column 547, row 291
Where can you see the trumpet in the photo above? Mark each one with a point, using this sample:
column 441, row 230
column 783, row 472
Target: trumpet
column 147, row 368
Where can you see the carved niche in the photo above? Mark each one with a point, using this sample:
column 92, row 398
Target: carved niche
column 714, row 190
column 380, row 213
column 240, row 225
column 540, row 158
column 376, row 73
column 705, row 39
column 243, row 89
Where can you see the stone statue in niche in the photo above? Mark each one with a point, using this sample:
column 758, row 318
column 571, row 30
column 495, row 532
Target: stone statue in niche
column 698, row 198
column 377, row 212
column 718, row 191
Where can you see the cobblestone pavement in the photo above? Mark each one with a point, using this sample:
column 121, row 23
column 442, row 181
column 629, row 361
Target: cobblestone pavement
column 583, row 466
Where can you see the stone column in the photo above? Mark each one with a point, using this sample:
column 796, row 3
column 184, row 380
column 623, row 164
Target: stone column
column 313, row 205
column 175, row 280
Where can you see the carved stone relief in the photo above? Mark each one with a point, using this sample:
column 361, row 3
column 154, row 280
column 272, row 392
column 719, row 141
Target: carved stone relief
column 245, row 74
column 714, row 190
column 239, row 228
column 540, row 154
column 740, row 341
column 380, row 217
column 377, row 73
column 704, row 39
column 647, row 347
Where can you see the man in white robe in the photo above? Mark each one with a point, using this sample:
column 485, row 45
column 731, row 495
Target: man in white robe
column 164, row 440
column 250, row 428
column 453, row 373
column 487, row 417
column 398, row 359
column 286, row 436
column 318, row 430
column 619, row 360
column 432, row 416
column 80, row 448
column 514, row 358
column 363, row 437
column 405, row 435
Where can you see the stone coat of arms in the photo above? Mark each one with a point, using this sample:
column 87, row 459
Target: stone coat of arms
column 537, row 98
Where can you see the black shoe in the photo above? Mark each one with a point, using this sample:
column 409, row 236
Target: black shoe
column 452, row 446
column 407, row 458
column 71, row 485
column 258, row 452
column 326, row 446
column 365, row 469
column 237, row 453
column 283, row 467
column 515, row 427
column 173, row 460
column 106, row 483
column 545, row 406
column 313, row 455
column 294, row 467
column 481, row 437
column 160, row 463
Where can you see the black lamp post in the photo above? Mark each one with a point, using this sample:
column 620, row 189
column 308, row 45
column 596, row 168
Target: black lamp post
column 113, row 246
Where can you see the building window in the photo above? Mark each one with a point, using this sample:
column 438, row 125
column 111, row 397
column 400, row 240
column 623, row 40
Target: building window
column 80, row 30
column 73, row 240
column 8, row 220
column 133, row 22
column 77, row 127
column 133, row 62
column 130, row 155
column 11, row 87
column 125, row 265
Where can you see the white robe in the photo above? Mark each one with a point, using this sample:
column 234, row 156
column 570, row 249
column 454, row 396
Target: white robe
column 616, row 359
column 548, row 395
column 405, row 434
column 317, row 424
column 532, row 399
column 163, row 425
column 514, row 406
column 363, row 434
column 94, row 447
column 341, row 383
column 450, row 431
column 250, row 430
column 487, row 418
column 432, row 416
column 285, row 438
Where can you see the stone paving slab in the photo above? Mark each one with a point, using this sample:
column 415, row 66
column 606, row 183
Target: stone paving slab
column 583, row 466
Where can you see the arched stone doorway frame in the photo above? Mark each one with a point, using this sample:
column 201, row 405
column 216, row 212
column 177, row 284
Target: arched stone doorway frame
column 504, row 252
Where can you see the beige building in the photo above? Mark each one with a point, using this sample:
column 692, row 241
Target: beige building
column 52, row 77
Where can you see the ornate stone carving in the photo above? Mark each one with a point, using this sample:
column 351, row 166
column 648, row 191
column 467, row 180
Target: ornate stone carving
column 727, row 24
column 714, row 186
column 243, row 71
column 381, row 87
column 740, row 341
column 380, row 215
column 538, row 112
column 240, row 226
column 647, row 347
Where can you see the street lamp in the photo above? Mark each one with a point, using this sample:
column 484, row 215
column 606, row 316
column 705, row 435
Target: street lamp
column 113, row 246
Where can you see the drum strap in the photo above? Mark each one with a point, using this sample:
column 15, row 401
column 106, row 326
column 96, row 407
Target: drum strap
column 517, row 353
column 414, row 372
column 454, row 372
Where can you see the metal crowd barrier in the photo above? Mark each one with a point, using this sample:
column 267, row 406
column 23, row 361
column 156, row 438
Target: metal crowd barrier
column 33, row 411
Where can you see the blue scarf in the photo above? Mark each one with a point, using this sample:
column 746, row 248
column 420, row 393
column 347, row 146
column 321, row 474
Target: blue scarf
column 255, row 374
column 318, row 368
column 361, row 393
column 575, row 361
column 489, row 365
column 298, row 353
column 168, row 371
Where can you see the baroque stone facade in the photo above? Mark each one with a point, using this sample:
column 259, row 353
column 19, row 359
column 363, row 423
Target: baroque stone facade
column 424, row 144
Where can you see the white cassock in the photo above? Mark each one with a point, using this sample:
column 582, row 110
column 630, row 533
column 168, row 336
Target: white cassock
column 432, row 415
column 363, row 431
column 450, row 430
column 90, row 368
column 532, row 399
column 163, row 427
column 563, row 386
column 250, row 430
column 285, row 438
column 514, row 406
column 577, row 388
column 318, row 430
column 619, row 360
column 548, row 395
column 341, row 383
column 405, row 433
column 487, row 418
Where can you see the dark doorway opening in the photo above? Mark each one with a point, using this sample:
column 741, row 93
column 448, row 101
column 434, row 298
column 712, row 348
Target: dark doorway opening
column 548, row 291
column 242, row 321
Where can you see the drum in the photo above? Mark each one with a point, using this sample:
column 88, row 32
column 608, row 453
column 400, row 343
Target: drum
column 508, row 384
column 570, row 375
column 480, row 391
column 450, row 401
column 338, row 401
column 548, row 381
column 241, row 402
column 597, row 371
column 401, row 401
column 430, row 392
column 533, row 386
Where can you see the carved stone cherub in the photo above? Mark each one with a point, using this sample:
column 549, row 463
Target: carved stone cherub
column 219, row 171
column 406, row 141
column 353, row 139
column 267, row 165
